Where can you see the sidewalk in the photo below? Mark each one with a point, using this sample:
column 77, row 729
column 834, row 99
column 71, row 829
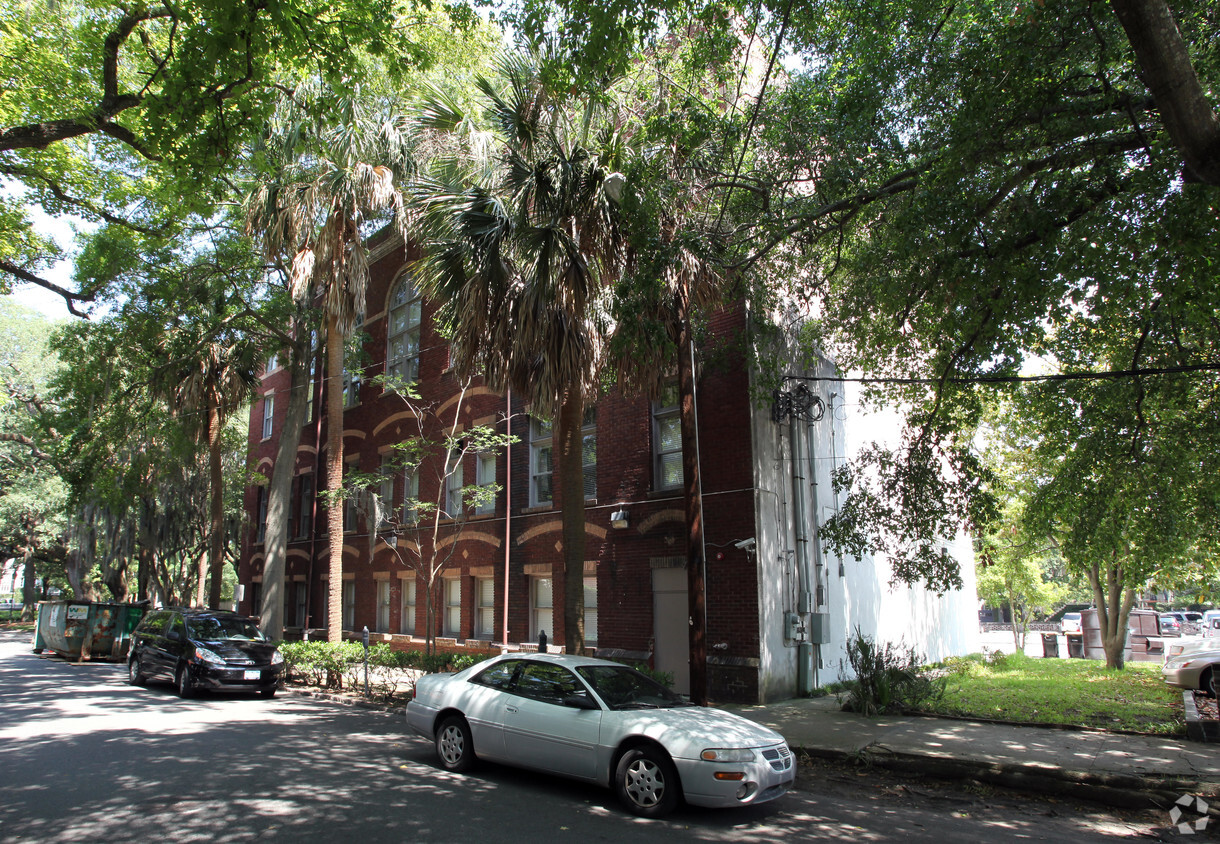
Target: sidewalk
column 1118, row 769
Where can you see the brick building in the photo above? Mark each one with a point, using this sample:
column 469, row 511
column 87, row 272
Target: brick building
column 778, row 615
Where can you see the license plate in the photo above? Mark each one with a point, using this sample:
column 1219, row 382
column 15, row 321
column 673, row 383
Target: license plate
column 252, row 675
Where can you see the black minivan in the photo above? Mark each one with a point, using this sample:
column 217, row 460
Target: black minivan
column 204, row 649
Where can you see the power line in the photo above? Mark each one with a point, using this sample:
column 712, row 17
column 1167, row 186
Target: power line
column 1016, row 379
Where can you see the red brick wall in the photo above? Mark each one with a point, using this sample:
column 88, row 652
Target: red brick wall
column 624, row 475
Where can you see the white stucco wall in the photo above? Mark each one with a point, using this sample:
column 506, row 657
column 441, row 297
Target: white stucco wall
column 857, row 593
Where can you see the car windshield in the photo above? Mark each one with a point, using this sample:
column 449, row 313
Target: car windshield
column 625, row 688
column 211, row 629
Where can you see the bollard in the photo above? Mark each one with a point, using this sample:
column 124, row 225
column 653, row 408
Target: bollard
column 365, row 639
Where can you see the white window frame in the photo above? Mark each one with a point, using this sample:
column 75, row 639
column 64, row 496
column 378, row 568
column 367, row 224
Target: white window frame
column 383, row 606
column 410, row 496
column 485, row 475
column 542, row 463
column 349, row 605
column 404, row 322
column 351, row 389
column 273, row 363
column 664, row 414
column 588, row 453
column 304, row 526
column 406, row 621
column 542, row 607
column 260, row 528
column 268, row 415
column 590, row 609
column 454, row 506
column 485, row 608
column 385, row 493
column 452, row 594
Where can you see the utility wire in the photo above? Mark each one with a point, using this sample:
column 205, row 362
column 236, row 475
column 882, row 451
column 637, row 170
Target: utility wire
column 1017, row 379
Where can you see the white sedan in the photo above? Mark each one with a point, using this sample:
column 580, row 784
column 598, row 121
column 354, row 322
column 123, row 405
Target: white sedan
column 602, row 722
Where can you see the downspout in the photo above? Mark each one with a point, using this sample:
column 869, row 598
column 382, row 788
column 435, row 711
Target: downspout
column 819, row 591
column 804, row 652
column 319, row 386
column 508, row 509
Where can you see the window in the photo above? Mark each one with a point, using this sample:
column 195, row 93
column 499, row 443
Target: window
column 351, row 388
column 591, row 610
column 273, row 363
column 548, row 683
column 453, row 606
column 260, row 529
column 410, row 495
column 302, row 596
column 485, row 617
column 541, row 465
column 383, row 606
column 349, row 605
column 453, row 485
column 309, row 402
column 667, row 440
column 403, row 332
column 406, row 622
column 542, row 461
column 540, row 607
column 350, row 503
column 305, row 506
column 588, row 452
column 268, row 415
column 485, row 475
column 385, row 494
column 256, row 598
column 499, row 676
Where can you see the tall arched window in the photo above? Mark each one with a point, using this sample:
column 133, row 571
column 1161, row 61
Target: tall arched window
column 402, row 340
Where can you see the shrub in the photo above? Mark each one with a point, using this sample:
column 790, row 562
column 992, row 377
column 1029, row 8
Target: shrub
column 888, row 678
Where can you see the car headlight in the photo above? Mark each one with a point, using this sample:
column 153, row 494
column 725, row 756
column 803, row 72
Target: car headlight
column 277, row 658
column 204, row 655
column 727, row 754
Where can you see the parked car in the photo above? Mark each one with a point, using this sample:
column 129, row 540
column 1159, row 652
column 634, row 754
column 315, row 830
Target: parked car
column 1071, row 622
column 1170, row 624
column 1209, row 625
column 199, row 649
column 1194, row 670
column 602, row 722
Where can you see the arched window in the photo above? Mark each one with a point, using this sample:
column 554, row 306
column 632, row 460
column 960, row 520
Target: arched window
column 402, row 339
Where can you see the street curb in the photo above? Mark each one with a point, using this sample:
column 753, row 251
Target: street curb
column 346, row 699
column 1198, row 729
column 1117, row 790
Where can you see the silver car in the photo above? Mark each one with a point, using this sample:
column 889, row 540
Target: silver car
column 1193, row 669
column 602, row 722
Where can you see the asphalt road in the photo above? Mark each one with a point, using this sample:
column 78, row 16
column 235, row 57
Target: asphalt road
column 86, row 758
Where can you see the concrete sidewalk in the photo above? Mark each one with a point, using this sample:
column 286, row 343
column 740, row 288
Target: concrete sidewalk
column 1114, row 768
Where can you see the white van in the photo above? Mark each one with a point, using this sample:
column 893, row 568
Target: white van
column 1210, row 625
column 1071, row 622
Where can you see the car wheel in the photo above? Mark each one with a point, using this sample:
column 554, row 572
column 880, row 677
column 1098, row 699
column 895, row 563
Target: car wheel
column 1207, row 682
column 186, row 686
column 135, row 675
column 455, row 745
column 647, row 782
column 267, row 692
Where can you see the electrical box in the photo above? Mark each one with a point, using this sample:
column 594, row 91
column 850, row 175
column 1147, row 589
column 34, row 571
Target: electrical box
column 819, row 628
column 792, row 626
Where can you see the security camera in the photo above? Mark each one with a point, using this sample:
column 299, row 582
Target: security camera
column 745, row 544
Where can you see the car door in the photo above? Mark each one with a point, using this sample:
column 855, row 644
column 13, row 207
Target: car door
column 151, row 643
column 484, row 701
column 541, row 732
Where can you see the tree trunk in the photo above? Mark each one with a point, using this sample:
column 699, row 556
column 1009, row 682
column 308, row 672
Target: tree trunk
column 1167, row 70
column 216, row 522
column 279, row 492
column 1114, row 603
column 568, row 448
column 333, row 390
column 696, row 605
column 29, row 589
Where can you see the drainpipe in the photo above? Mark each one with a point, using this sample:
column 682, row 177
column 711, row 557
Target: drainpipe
column 508, row 509
column 804, row 652
column 819, row 590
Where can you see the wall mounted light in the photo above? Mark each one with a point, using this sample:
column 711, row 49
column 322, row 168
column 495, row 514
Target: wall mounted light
column 618, row 519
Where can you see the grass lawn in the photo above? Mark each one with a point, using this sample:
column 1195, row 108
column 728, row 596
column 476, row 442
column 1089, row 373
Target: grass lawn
column 1078, row 692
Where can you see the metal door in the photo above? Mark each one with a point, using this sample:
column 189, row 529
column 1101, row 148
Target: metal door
column 670, row 626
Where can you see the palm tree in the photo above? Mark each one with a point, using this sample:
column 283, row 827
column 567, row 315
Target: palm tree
column 520, row 264
column 208, row 373
column 339, row 180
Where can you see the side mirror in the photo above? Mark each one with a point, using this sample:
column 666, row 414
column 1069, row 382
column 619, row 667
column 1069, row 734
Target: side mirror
column 577, row 701
column 173, row 636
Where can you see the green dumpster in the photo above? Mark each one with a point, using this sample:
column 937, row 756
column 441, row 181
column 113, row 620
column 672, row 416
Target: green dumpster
column 86, row 630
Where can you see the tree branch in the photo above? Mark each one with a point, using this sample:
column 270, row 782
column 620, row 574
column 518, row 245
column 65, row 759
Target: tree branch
column 70, row 298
